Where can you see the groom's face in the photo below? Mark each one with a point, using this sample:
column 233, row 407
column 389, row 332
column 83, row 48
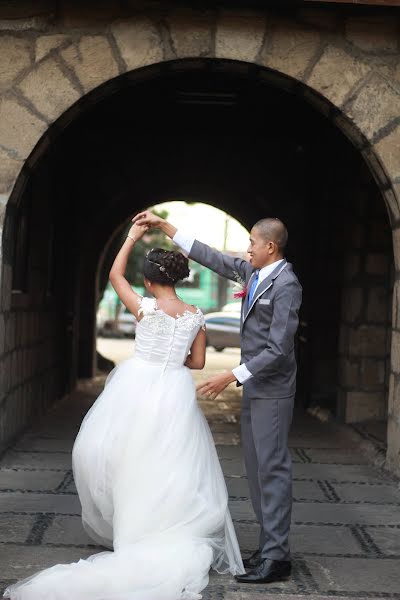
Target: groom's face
column 261, row 251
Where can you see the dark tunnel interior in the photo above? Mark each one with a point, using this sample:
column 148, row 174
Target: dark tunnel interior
column 239, row 139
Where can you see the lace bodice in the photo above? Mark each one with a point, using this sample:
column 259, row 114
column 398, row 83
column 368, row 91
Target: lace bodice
column 165, row 340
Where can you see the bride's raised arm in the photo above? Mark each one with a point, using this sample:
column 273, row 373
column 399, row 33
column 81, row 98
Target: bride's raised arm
column 117, row 273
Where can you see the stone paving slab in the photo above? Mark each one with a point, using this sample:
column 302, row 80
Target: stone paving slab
column 54, row 460
column 37, row 444
column 233, row 467
column 15, row 530
column 19, row 479
column 308, row 490
column 56, row 419
column 386, row 540
column 223, row 587
column 60, row 429
column 34, row 503
column 302, row 490
column 18, row 561
column 330, row 441
column 222, row 427
column 58, row 434
column 229, row 452
column 348, row 473
column 69, row 530
column 70, row 488
column 382, row 494
column 241, row 509
column 335, row 456
column 364, row 514
column 237, row 486
column 226, row 438
column 314, row 539
column 248, row 534
column 305, row 539
column 349, row 574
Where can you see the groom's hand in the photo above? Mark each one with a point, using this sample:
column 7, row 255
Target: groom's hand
column 147, row 218
column 153, row 221
column 215, row 385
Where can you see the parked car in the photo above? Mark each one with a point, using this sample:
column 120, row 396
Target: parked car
column 232, row 307
column 126, row 323
column 123, row 326
column 223, row 330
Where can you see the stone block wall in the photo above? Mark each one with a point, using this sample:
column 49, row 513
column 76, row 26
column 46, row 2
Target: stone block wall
column 393, row 455
column 345, row 63
column 31, row 375
column 365, row 330
column 32, row 320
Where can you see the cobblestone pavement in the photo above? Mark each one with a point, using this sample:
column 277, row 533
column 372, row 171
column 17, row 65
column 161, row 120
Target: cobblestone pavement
column 346, row 519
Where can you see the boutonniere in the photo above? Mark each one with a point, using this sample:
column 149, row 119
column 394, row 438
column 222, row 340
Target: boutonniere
column 239, row 283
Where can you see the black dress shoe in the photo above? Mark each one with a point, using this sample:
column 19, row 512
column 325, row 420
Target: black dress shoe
column 267, row 571
column 253, row 560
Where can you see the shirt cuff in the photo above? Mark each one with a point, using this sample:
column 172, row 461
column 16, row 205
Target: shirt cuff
column 184, row 241
column 242, row 373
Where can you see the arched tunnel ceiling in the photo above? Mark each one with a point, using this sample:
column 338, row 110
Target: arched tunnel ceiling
column 225, row 138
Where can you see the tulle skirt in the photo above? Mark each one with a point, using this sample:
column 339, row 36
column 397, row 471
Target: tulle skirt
column 152, row 491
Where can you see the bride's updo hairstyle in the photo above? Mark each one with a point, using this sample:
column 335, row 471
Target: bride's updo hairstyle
column 165, row 267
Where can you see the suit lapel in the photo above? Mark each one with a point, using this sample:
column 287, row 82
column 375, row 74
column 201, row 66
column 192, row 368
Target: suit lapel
column 262, row 287
column 246, row 298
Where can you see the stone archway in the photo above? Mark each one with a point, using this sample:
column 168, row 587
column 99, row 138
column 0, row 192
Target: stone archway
column 362, row 95
column 309, row 57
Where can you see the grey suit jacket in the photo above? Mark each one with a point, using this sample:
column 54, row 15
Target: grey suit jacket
column 267, row 327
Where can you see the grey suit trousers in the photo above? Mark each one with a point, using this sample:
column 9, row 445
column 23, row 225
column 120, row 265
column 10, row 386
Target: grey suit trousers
column 265, row 425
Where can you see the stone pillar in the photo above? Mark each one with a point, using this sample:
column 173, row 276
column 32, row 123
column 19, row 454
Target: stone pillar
column 365, row 332
column 33, row 357
column 393, row 454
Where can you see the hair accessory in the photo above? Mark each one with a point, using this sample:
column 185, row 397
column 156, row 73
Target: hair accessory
column 161, row 267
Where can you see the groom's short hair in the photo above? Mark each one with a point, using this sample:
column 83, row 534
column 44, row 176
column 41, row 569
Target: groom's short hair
column 273, row 229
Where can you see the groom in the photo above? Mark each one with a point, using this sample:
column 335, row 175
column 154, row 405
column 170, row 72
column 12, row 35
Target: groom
column 269, row 321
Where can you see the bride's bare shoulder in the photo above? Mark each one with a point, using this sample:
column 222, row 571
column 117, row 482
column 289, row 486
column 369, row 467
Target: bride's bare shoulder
column 193, row 308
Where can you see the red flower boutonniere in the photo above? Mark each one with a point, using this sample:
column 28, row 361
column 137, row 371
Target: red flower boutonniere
column 239, row 282
column 241, row 293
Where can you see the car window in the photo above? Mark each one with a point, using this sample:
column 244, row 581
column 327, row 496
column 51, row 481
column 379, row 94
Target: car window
column 216, row 321
column 224, row 321
column 233, row 321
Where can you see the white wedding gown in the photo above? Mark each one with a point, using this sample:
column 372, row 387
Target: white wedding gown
column 149, row 481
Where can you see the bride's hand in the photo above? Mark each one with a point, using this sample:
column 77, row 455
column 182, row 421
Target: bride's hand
column 147, row 218
column 137, row 231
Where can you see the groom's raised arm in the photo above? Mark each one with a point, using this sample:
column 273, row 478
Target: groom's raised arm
column 228, row 266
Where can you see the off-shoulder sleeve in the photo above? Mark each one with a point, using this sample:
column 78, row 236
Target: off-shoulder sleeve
column 147, row 306
column 202, row 321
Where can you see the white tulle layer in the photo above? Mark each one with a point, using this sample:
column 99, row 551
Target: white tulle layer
column 152, row 490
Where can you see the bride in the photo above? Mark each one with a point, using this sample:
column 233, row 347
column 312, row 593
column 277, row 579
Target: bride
column 144, row 461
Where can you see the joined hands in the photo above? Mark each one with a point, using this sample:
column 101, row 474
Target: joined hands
column 147, row 218
column 216, row 384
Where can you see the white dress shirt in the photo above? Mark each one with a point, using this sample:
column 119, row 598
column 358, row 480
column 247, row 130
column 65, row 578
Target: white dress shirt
column 241, row 372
